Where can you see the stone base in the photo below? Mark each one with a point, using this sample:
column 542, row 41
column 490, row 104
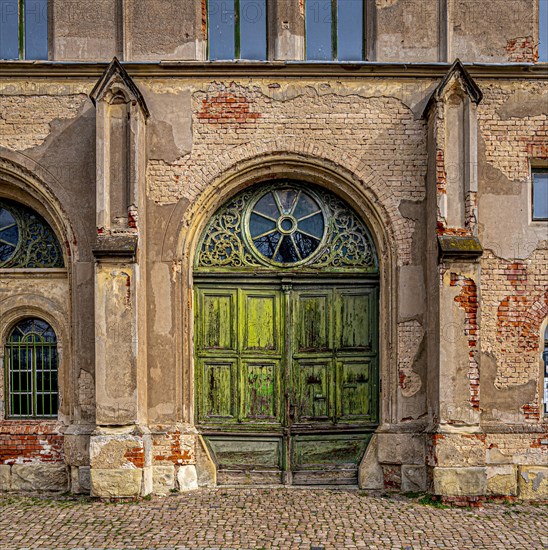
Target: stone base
column 120, row 483
column 34, row 478
column 457, row 482
column 533, row 482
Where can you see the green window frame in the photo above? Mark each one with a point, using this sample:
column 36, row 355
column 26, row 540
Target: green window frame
column 32, row 365
column 24, row 29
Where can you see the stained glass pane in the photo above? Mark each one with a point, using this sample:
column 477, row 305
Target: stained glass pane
column 267, row 245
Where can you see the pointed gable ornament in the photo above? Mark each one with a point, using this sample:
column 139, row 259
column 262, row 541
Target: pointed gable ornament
column 121, row 121
column 116, row 83
column 459, row 78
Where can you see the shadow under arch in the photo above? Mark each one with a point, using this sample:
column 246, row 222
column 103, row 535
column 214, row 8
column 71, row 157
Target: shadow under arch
column 349, row 186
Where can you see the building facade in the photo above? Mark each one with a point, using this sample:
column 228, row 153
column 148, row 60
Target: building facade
column 291, row 242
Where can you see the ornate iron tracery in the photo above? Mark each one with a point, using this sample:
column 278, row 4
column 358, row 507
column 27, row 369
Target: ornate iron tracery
column 26, row 239
column 285, row 225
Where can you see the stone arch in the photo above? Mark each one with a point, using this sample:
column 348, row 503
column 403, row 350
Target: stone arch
column 256, row 163
column 24, row 180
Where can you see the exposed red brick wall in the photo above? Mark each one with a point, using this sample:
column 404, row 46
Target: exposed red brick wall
column 28, row 441
column 468, row 300
column 170, row 447
column 522, row 50
column 227, row 108
column 136, row 455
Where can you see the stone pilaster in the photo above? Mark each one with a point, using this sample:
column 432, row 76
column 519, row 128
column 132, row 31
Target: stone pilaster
column 120, row 447
column 453, row 312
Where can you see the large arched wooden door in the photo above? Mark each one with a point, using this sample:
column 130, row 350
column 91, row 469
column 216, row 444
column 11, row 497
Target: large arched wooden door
column 286, row 337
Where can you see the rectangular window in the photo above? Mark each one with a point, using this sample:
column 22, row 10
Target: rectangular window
column 540, row 195
column 335, row 30
column 543, row 31
column 24, row 29
column 236, row 29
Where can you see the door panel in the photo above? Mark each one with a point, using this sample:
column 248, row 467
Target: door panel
column 354, row 320
column 261, row 321
column 312, row 320
column 313, row 389
column 218, row 321
column 218, row 387
column 355, row 388
column 260, row 386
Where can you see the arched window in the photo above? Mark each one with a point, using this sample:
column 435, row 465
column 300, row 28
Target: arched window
column 31, row 364
column 26, row 239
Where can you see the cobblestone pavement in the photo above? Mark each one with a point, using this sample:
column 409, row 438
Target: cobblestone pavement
column 268, row 518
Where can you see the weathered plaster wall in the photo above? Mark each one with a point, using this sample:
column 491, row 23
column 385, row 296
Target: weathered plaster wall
column 408, row 30
column 497, row 31
column 514, row 281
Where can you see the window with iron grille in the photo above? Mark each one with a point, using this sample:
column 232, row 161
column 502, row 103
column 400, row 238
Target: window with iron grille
column 236, row 29
column 31, row 370
column 24, row 29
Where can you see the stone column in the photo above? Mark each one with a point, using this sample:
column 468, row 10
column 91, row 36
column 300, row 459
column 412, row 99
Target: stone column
column 120, row 447
column 455, row 452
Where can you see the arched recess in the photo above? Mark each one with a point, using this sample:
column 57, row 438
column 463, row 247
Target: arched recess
column 43, row 293
column 377, row 211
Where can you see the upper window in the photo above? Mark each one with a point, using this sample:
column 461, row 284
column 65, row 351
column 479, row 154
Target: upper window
column 543, row 30
column 334, row 30
column 23, row 29
column 26, row 239
column 540, row 195
column 31, row 365
column 236, row 29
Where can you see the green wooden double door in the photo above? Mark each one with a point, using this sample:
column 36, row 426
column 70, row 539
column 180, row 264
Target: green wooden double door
column 287, row 378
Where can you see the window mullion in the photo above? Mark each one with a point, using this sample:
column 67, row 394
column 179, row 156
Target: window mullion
column 237, row 45
column 21, row 13
column 334, row 33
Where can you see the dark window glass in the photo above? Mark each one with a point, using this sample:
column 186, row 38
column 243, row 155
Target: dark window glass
column 319, row 30
column 32, row 365
column 23, row 29
column 543, row 31
column 252, row 29
column 350, row 19
column 286, row 225
column 9, row 29
column 540, row 195
column 334, row 30
column 36, row 29
column 236, row 37
column 220, row 17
